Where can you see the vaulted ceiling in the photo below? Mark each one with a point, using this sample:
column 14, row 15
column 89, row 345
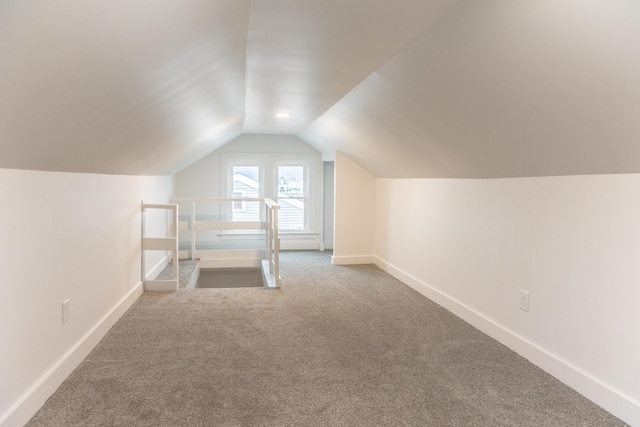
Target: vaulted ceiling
column 407, row 88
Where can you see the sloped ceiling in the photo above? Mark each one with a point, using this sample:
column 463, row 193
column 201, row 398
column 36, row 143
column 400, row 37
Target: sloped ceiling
column 441, row 88
column 119, row 86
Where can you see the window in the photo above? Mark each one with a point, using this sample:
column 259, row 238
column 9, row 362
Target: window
column 289, row 179
column 291, row 191
column 246, row 184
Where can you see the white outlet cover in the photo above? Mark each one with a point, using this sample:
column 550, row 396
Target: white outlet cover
column 524, row 300
column 65, row 311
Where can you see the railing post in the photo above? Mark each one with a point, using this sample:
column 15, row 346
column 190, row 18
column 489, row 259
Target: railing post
column 169, row 243
column 176, row 253
column 270, row 238
column 267, row 231
column 192, row 227
column 142, row 266
column 276, row 247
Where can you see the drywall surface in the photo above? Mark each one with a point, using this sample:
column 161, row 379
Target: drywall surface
column 209, row 177
column 571, row 242
column 63, row 236
column 202, row 179
column 355, row 195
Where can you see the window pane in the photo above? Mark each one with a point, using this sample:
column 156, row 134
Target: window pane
column 237, row 204
column 246, row 184
column 291, row 180
column 290, row 197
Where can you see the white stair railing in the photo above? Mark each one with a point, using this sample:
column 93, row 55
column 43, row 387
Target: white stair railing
column 272, row 251
column 211, row 219
column 169, row 243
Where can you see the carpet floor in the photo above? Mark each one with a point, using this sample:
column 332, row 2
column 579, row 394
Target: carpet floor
column 336, row 346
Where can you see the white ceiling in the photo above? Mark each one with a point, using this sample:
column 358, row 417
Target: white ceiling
column 409, row 88
column 304, row 56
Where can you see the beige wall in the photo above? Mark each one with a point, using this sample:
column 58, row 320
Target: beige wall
column 64, row 236
column 572, row 242
column 202, row 179
column 355, row 195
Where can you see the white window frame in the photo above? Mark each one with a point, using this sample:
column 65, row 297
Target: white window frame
column 306, row 166
column 268, row 164
column 228, row 161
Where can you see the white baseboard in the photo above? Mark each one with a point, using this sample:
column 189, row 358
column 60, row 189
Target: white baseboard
column 169, row 285
column 35, row 397
column 299, row 245
column 159, row 267
column 598, row 392
column 351, row 260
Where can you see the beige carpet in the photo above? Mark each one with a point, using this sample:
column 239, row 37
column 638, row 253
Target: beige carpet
column 336, row 346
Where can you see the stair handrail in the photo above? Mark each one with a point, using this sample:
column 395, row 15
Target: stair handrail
column 269, row 224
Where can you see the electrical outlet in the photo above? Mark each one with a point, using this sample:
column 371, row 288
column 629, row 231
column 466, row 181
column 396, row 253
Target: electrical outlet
column 524, row 300
column 65, row 311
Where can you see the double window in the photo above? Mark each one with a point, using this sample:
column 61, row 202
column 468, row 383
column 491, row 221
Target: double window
column 287, row 179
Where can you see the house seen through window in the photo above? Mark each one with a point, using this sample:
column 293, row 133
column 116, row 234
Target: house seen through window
column 246, row 184
column 291, row 197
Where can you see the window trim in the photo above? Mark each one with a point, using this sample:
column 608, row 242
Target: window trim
column 305, row 164
column 268, row 164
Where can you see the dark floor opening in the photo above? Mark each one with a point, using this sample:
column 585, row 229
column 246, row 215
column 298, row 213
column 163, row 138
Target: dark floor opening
column 230, row 278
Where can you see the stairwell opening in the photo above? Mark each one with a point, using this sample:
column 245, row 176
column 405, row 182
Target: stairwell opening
column 230, row 278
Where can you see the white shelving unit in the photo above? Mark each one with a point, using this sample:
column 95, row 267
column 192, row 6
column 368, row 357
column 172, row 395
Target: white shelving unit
column 168, row 243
